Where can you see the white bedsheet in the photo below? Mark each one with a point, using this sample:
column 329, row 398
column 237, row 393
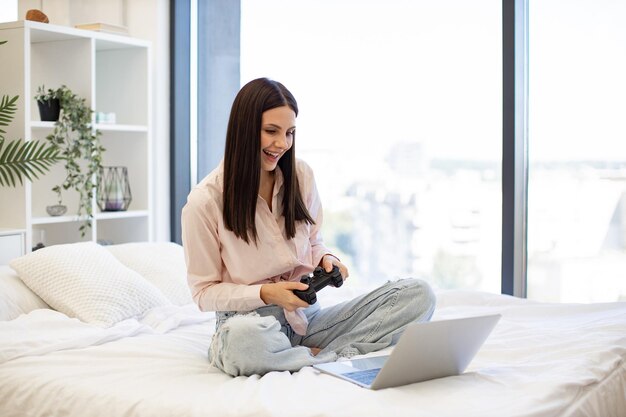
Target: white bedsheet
column 44, row 331
column 541, row 360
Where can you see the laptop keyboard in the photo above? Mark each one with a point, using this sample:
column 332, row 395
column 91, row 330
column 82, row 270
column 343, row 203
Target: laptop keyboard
column 365, row 377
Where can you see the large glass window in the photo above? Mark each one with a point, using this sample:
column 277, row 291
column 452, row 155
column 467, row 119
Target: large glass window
column 400, row 118
column 577, row 149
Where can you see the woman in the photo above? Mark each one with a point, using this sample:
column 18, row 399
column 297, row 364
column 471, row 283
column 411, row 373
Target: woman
column 251, row 230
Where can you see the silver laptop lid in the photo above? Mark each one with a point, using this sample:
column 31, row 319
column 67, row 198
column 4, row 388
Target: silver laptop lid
column 435, row 349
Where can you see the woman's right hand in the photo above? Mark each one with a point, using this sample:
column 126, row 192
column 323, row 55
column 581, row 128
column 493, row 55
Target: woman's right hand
column 281, row 293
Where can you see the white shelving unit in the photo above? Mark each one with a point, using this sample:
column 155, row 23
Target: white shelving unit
column 112, row 72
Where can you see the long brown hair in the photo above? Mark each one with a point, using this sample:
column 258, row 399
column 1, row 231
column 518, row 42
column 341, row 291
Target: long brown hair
column 242, row 161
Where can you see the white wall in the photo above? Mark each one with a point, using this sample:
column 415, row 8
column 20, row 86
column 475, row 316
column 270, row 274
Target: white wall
column 145, row 19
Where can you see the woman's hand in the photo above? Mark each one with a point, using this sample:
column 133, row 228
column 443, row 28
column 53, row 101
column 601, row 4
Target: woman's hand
column 281, row 293
column 329, row 260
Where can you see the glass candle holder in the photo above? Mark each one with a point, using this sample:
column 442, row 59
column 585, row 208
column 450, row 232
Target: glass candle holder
column 114, row 191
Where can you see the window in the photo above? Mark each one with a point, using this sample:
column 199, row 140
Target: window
column 577, row 151
column 401, row 120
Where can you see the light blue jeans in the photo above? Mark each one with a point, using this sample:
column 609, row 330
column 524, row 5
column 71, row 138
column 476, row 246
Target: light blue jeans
column 248, row 343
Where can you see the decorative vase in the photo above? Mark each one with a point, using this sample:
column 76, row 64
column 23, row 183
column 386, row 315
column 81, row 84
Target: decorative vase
column 114, row 191
column 49, row 110
column 56, row 210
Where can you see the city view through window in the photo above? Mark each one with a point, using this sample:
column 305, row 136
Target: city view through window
column 577, row 149
column 400, row 118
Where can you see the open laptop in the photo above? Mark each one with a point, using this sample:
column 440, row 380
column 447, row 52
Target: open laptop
column 425, row 351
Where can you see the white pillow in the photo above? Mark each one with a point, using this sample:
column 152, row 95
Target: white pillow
column 161, row 263
column 83, row 280
column 15, row 297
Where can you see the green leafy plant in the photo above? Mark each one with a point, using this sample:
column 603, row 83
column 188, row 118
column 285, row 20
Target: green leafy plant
column 45, row 95
column 79, row 147
column 21, row 159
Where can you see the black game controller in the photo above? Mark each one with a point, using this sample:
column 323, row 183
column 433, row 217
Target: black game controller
column 319, row 280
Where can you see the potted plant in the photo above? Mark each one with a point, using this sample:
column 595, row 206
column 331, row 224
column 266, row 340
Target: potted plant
column 49, row 104
column 18, row 158
column 79, row 147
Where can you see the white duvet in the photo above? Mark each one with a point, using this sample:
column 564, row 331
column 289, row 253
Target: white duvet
column 540, row 360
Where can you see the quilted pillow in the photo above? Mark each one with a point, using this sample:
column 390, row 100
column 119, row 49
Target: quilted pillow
column 85, row 281
column 161, row 263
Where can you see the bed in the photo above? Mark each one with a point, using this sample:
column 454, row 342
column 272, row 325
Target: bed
column 540, row 360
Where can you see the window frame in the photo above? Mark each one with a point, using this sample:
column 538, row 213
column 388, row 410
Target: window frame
column 514, row 146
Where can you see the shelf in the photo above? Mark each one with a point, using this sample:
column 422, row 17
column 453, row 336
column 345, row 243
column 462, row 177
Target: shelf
column 41, row 125
column 106, row 215
column 56, row 219
column 120, row 128
column 44, row 32
column 103, row 127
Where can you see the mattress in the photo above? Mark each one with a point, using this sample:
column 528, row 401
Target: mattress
column 540, row 360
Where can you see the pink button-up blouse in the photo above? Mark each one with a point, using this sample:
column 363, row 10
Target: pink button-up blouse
column 224, row 272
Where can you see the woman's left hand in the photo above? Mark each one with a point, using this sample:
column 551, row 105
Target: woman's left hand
column 329, row 260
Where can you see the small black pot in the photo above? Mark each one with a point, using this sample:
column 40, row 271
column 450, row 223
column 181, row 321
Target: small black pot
column 49, row 110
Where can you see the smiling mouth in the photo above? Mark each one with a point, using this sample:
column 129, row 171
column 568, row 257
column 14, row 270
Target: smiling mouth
column 272, row 155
